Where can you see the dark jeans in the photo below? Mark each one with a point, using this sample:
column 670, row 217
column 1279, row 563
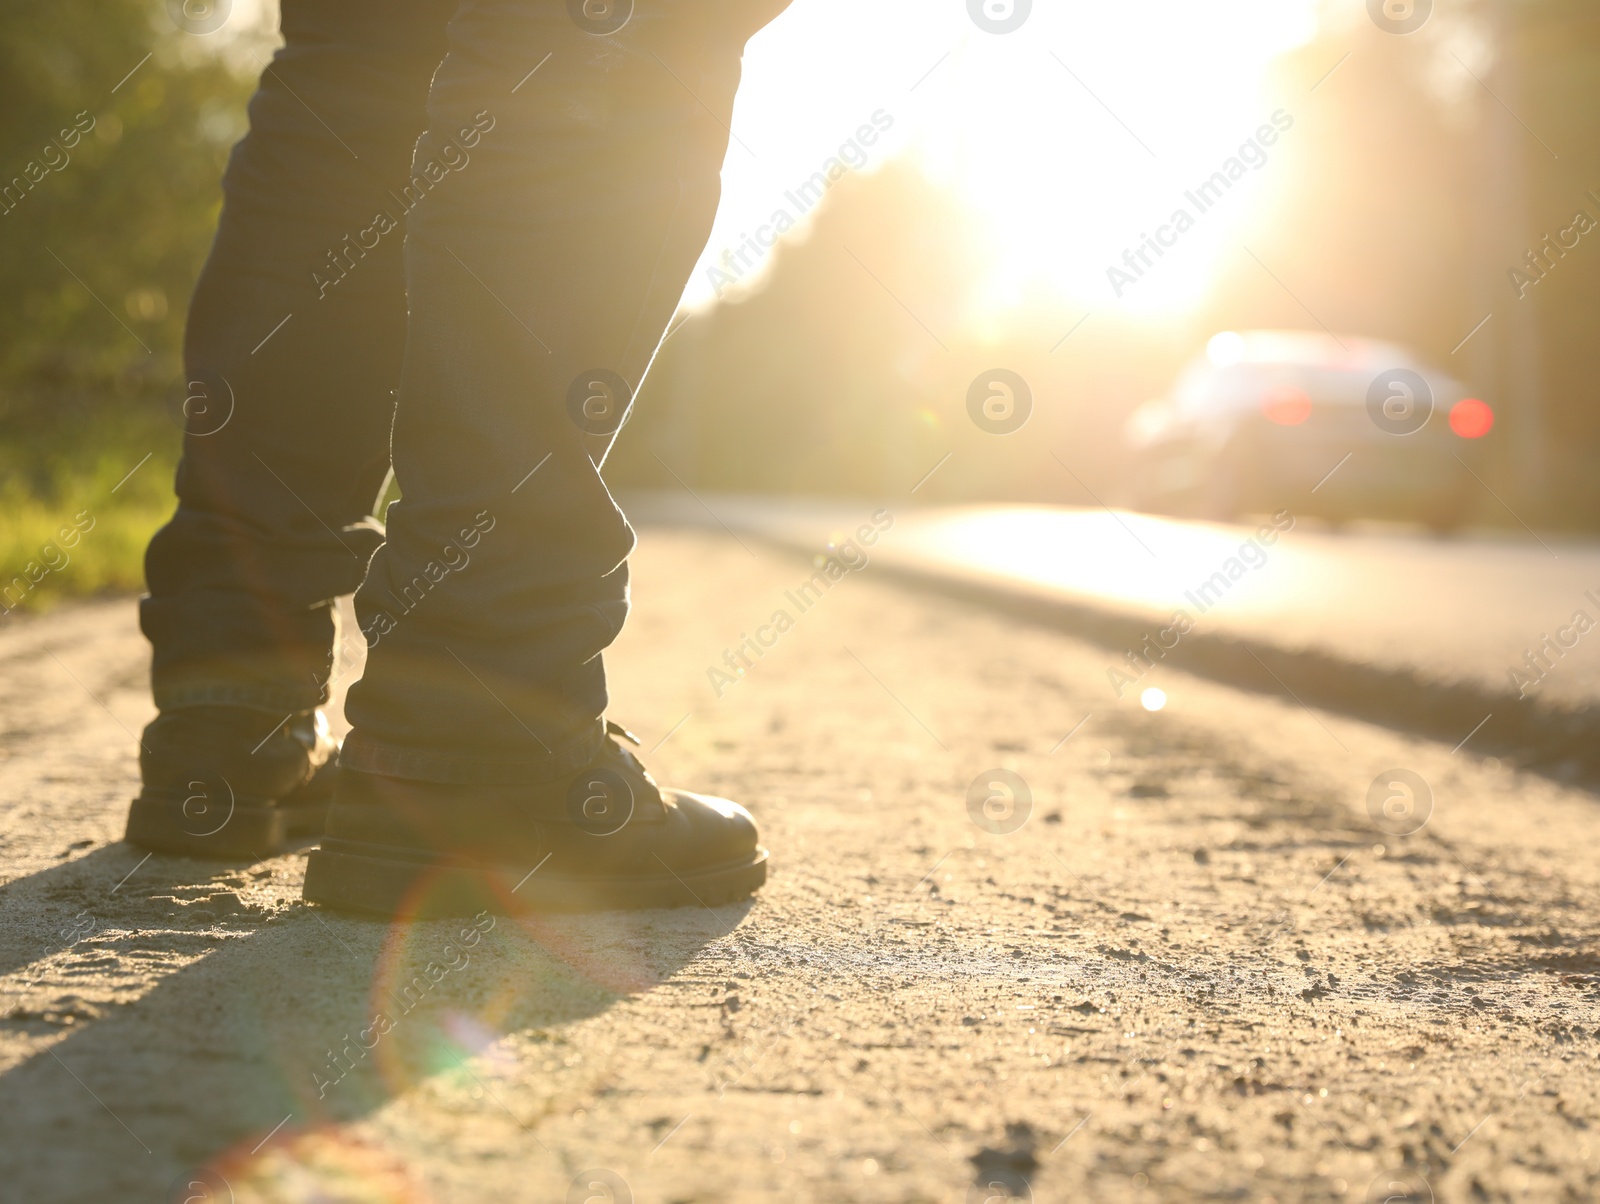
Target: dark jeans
column 474, row 305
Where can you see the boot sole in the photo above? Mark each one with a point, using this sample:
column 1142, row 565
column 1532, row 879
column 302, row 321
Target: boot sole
column 252, row 829
column 349, row 877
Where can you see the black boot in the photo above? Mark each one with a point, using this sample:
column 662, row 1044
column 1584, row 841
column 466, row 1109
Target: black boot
column 222, row 781
column 605, row 838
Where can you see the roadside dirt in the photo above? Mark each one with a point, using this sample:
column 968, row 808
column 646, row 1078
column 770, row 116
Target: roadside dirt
column 1199, row 969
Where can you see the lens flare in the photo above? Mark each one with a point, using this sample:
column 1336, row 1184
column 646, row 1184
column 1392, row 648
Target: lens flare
column 319, row 1163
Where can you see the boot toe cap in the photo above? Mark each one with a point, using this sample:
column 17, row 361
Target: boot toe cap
column 711, row 829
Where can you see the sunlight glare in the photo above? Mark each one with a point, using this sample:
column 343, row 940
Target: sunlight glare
column 1072, row 140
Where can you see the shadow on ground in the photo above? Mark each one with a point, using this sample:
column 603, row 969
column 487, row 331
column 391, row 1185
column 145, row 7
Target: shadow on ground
column 269, row 1020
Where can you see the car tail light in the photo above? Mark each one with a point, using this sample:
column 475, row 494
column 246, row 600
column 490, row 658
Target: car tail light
column 1471, row 418
column 1286, row 405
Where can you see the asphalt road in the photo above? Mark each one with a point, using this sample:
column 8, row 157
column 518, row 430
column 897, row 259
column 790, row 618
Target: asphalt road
column 1467, row 609
column 1487, row 639
column 1190, row 961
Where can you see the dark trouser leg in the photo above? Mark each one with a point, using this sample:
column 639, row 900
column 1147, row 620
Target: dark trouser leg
column 288, row 433
column 557, row 259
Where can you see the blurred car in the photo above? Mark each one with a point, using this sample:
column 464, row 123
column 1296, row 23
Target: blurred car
column 1341, row 428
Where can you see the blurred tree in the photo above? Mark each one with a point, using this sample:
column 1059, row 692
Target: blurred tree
column 848, row 371
column 115, row 124
column 114, row 128
column 1548, row 129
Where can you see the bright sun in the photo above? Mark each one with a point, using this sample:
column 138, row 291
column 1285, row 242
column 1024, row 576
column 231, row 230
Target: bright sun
column 1074, row 140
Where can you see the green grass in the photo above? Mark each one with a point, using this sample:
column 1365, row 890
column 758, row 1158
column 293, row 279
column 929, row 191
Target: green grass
column 75, row 522
column 101, row 471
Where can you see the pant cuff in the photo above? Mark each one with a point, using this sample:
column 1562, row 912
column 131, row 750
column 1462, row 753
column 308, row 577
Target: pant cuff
column 257, row 696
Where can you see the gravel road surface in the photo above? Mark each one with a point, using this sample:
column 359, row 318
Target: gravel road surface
column 1021, row 939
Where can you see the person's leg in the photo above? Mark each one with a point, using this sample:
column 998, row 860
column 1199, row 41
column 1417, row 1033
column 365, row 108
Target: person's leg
column 283, row 459
column 293, row 349
column 479, row 771
column 584, row 176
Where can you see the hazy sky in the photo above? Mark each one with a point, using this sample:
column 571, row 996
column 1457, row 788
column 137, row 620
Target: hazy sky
column 1071, row 136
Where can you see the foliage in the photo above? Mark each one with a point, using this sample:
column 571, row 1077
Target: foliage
column 114, row 130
